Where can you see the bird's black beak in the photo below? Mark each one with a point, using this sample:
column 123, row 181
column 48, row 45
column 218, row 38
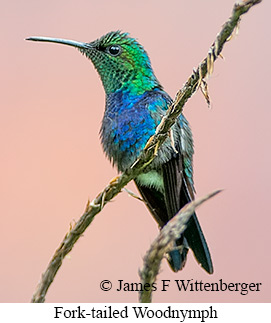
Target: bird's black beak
column 73, row 43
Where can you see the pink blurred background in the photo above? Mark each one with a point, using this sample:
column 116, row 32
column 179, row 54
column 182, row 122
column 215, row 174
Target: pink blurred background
column 52, row 102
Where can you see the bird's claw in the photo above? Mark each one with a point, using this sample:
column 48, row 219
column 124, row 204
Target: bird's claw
column 114, row 180
column 148, row 144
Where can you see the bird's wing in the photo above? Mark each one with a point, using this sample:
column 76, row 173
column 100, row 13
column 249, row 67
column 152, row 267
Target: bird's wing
column 178, row 192
column 155, row 203
column 173, row 180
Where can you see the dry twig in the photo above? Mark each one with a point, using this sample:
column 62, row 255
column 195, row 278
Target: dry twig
column 115, row 186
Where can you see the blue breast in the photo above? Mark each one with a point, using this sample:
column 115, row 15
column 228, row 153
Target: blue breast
column 128, row 123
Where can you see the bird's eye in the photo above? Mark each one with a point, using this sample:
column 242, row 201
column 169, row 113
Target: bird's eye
column 114, row 50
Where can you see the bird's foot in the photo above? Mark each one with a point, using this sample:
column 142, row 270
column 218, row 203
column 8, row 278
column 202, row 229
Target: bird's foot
column 114, row 180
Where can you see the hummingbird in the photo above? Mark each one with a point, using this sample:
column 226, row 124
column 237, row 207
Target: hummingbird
column 135, row 104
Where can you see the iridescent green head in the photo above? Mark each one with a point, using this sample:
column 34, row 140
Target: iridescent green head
column 120, row 60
